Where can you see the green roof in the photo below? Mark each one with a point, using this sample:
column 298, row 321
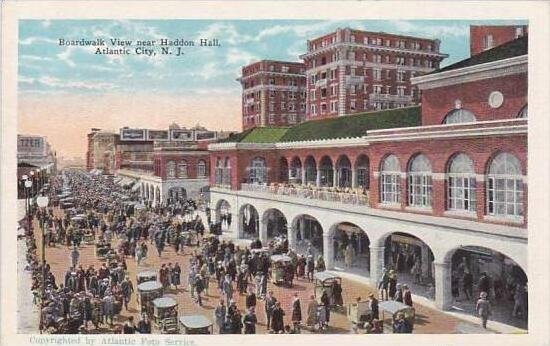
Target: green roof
column 507, row 50
column 348, row 126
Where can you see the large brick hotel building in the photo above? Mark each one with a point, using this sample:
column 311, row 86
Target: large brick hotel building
column 446, row 180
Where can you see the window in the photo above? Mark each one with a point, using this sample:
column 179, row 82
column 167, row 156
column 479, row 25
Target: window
column 272, row 81
column 377, row 58
column 400, row 76
column 313, row 110
column 258, row 171
column 171, row 169
column 377, row 74
column 401, row 90
column 333, row 106
column 333, row 90
column 458, row 116
column 390, row 180
column 182, row 169
column 505, row 187
column 420, row 182
column 377, row 89
column 218, row 173
column 226, row 177
column 523, row 112
column 461, row 184
column 488, row 42
column 201, row 169
column 352, row 105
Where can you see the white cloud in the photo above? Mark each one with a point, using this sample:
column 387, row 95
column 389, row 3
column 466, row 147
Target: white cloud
column 435, row 31
column 35, row 58
column 227, row 33
column 65, row 56
column 66, row 84
column 26, row 80
column 238, row 56
column 36, row 39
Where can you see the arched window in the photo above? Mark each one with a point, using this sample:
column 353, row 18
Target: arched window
column 390, row 180
column 523, row 112
column 343, row 169
column 457, row 116
column 182, row 169
column 420, row 182
column 505, row 186
column 201, row 169
column 171, row 169
column 226, row 178
column 258, row 171
column 326, row 172
column 218, row 173
column 362, row 168
column 461, row 184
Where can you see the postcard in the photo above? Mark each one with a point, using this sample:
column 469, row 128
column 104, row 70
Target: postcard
column 310, row 169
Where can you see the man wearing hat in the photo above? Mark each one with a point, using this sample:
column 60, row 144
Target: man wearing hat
column 483, row 308
column 373, row 304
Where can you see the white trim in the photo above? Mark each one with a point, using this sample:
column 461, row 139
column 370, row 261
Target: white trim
column 419, row 209
column 493, row 69
column 393, row 129
column 452, row 133
column 507, row 219
column 460, row 213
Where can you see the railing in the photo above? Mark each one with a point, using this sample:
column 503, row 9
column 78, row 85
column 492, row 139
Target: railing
column 321, row 82
column 351, row 80
column 222, row 186
column 390, row 97
column 349, row 196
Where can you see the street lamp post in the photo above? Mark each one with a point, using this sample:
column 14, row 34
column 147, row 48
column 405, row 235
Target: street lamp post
column 33, row 185
column 42, row 202
column 28, row 185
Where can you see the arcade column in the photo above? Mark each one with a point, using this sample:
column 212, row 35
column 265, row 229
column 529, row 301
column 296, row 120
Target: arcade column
column 318, row 178
column 303, row 171
column 334, row 177
column 263, row 232
column 328, row 251
column 443, row 296
column 353, row 178
column 376, row 264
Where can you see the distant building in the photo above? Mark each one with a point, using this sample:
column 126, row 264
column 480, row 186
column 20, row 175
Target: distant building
column 36, row 160
column 165, row 165
column 352, row 71
column 273, row 93
column 101, row 151
column 484, row 37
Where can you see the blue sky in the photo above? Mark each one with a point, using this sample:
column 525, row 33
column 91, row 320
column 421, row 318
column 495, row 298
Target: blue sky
column 45, row 67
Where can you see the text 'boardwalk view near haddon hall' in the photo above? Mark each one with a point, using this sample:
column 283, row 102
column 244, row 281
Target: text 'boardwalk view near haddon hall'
column 371, row 191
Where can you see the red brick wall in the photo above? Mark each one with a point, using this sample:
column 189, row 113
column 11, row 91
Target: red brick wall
column 501, row 34
column 192, row 161
column 474, row 96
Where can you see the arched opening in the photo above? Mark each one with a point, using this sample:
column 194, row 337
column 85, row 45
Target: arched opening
column 478, row 269
column 311, row 170
column 308, row 234
column 457, row 116
column 249, row 222
column 343, row 172
column 420, row 182
column 327, row 172
column 201, row 169
column 283, row 170
column 257, row 171
column 523, row 113
column 277, row 230
column 505, row 187
column 295, row 171
column 182, row 169
column 461, row 184
column 351, row 248
column 409, row 261
column 362, row 172
column 223, row 214
column 170, row 170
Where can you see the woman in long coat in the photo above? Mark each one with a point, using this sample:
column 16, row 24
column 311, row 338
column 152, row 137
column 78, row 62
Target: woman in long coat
column 277, row 322
column 296, row 312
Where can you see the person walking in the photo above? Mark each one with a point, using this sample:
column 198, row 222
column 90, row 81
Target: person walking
column 251, row 299
column 392, row 284
column 199, row 287
column 127, row 289
column 176, row 275
column 407, row 296
column 270, row 302
column 277, row 319
column 310, row 266
column 383, row 285
column 227, row 288
column 398, row 297
column 75, row 256
column 483, row 308
column 296, row 313
column 249, row 321
column 219, row 315
column 373, row 304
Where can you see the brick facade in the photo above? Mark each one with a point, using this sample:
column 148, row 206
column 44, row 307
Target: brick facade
column 351, row 71
column 483, row 37
column 273, row 93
